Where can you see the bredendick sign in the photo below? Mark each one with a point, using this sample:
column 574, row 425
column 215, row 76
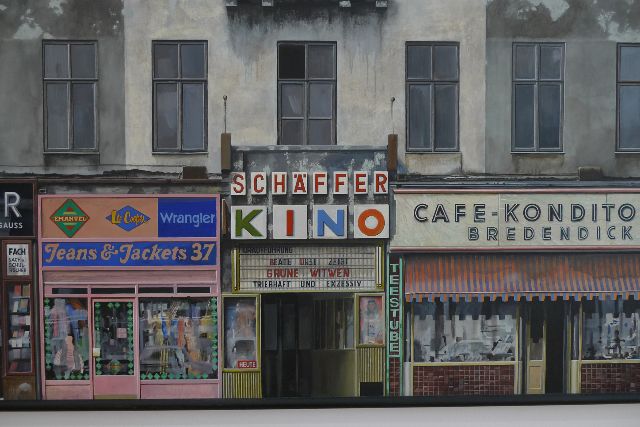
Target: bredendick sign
column 309, row 268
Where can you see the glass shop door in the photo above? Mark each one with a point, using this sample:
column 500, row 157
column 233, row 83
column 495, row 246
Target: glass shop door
column 114, row 367
column 535, row 349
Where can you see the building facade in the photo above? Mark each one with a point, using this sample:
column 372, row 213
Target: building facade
column 472, row 165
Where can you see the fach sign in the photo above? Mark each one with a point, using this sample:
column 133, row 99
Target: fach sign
column 16, row 209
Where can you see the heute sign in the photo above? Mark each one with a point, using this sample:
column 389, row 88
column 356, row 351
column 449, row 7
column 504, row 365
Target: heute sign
column 301, row 221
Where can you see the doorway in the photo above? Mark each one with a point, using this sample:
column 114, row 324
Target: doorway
column 308, row 347
column 113, row 351
column 545, row 348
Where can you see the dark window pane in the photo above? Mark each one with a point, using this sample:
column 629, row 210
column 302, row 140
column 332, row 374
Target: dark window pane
column 321, row 62
column 193, row 116
column 165, row 61
column 291, row 132
column 57, row 119
column 419, row 116
column 419, row 62
column 630, row 63
column 549, row 110
column 629, row 116
column 525, row 62
column 446, row 116
column 320, row 132
column 291, row 61
column 551, row 62
column 83, row 61
column 193, row 61
column 291, row 100
column 83, row 115
column 445, row 63
column 320, row 100
column 56, row 64
column 166, row 116
column 524, row 117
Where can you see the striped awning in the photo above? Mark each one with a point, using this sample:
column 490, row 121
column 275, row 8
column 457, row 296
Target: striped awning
column 522, row 276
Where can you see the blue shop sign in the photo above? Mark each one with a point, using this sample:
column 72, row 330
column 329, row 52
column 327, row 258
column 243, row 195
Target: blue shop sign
column 187, row 217
column 128, row 254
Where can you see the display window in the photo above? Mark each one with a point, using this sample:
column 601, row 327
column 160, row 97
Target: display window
column 610, row 330
column 371, row 320
column 240, row 326
column 66, row 339
column 178, row 339
column 19, row 328
column 464, row 331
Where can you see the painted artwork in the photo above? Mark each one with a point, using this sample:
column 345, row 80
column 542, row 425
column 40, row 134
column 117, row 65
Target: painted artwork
column 371, row 317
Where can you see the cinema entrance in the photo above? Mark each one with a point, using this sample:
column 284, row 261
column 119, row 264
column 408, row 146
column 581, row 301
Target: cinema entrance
column 318, row 332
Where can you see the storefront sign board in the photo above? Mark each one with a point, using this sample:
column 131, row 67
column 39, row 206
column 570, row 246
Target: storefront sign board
column 17, row 209
column 17, row 260
column 308, row 268
column 529, row 219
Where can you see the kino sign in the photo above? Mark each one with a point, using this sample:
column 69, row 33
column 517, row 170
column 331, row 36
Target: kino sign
column 370, row 221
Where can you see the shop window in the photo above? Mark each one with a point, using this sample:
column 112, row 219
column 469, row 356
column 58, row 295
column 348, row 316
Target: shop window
column 371, row 319
column 464, row 331
column 333, row 324
column 179, row 96
column 66, row 333
column 70, row 77
column 538, row 97
column 178, row 339
column 628, row 97
column 306, row 93
column 610, row 330
column 19, row 328
column 432, row 87
column 240, row 328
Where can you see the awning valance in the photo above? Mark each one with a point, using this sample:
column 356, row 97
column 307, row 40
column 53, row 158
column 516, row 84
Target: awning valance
column 522, row 276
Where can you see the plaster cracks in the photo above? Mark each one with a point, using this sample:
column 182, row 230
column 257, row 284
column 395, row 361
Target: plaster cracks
column 29, row 28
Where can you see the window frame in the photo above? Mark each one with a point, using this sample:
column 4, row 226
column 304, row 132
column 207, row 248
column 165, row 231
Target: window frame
column 536, row 82
column 69, row 81
column 432, row 83
column 305, row 83
column 179, row 81
column 620, row 83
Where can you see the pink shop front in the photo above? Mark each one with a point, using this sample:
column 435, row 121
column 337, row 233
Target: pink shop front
column 129, row 292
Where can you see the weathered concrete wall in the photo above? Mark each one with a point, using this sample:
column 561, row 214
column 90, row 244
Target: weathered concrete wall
column 591, row 30
column 23, row 26
column 242, row 47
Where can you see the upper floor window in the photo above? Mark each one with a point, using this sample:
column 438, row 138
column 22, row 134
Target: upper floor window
column 179, row 96
column 70, row 74
column 432, row 93
column 628, row 97
column 538, row 96
column 306, row 93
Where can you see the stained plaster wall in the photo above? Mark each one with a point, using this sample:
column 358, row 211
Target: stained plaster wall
column 590, row 30
column 23, row 26
column 242, row 48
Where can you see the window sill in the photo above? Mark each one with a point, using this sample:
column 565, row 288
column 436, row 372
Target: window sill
column 180, row 153
column 537, row 153
column 627, row 153
column 71, row 153
column 432, row 152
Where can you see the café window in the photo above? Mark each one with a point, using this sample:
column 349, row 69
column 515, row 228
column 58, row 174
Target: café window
column 464, row 331
column 538, row 96
column 628, row 97
column 432, row 92
column 179, row 96
column 178, row 339
column 610, row 330
column 70, row 77
column 306, row 93
column 66, row 341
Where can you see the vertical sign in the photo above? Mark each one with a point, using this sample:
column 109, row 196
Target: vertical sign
column 394, row 325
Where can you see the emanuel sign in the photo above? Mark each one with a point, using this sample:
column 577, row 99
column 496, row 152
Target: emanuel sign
column 558, row 219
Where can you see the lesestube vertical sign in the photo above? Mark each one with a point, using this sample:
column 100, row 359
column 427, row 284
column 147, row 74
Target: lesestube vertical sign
column 394, row 317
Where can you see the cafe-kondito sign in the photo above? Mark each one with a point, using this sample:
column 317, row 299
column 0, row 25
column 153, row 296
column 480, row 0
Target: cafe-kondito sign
column 278, row 268
column 528, row 219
